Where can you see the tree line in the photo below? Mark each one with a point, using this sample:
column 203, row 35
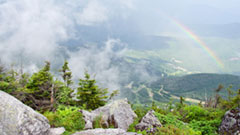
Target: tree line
column 44, row 92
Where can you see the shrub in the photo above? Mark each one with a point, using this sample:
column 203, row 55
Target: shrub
column 68, row 117
column 206, row 127
column 170, row 119
column 173, row 130
column 194, row 112
column 197, row 113
column 140, row 111
column 172, row 125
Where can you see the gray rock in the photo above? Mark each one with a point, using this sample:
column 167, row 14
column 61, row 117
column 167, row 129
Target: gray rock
column 56, row 131
column 130, row 133
column 231, row 123
column 88, row 118
column 149, row 122
column 19, row 119
column 118, row 113
column 100, row 131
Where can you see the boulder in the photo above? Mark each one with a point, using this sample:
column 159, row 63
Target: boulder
column 149, row 122
column 118, row 113
column 19, row 119
column 100, row 131
column 231, row 123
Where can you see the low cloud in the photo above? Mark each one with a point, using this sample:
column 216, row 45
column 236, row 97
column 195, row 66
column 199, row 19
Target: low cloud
column 98, row 62
column 32, row 31
column 93, row 13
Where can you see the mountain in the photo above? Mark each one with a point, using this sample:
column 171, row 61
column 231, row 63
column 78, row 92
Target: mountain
column 194, row 87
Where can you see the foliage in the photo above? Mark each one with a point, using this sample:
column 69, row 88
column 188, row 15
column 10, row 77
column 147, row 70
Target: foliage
column 207, row 127
column 140, row 112
column 194, row 112
column 41, row 82
column 8, row 81
column 196, row 86
column 173, row 130
column 90, row 94
column 171, row 119
column 209, row 116
column 158, row 109
column 64, row 94
column 232, row 101
column 66, row 74
column 132, row 126
column 66, row 116
column 41, row 89
column 206, row 120
column 189, row 120
column 98, row 122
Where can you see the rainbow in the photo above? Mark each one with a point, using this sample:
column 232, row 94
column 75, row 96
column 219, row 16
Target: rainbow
column 198, row 41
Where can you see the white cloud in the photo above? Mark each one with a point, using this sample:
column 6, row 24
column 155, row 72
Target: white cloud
column 128, row 3
column 98, row 61
column 31, row 28
column 31, row 31
column 34, row 28
column 93, row 13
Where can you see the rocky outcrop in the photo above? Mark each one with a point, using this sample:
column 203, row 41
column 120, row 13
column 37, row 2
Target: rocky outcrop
column 118, row 113
column 100, row 131
column 149, row 122
column 231, row 123
column 19, row 119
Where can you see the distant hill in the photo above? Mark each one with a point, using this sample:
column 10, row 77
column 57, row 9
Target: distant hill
column 195, row 87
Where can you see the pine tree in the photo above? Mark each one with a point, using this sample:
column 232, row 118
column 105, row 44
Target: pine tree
column 181, row 100
column 217, row 96
column 40, row 88
column 64, row 95
column 66, row 74
column 2, row 71
column 8, row 80
column 89, row 94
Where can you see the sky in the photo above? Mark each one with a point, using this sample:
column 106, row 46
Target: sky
column 37, row 30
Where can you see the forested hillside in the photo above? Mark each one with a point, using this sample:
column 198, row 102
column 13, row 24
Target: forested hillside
column 194, row 87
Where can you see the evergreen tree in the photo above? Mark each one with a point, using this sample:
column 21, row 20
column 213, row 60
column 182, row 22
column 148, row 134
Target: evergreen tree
column 217, row 96
column 41, row 89
column 64, row 96
column 89, row 94
column 66, row 74
column 181, row 100
column 8, row 80
column 2, row 72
